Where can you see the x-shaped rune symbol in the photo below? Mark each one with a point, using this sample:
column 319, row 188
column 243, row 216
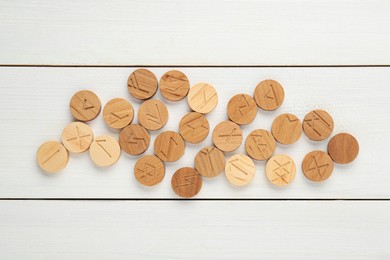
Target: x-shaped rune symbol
column 282, row 171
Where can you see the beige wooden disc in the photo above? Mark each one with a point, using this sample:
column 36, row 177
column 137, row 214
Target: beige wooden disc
column 186, row 182
column 242, row 109
column 169, row 146
column 318, row 125
column 202, row 98
column 260, row 144
column 105, row 151
column 118, row 113
column 52, row 156
column 240, row 170
column 269, row 94
column 149, row 170
column 134, row 139
column 227, row 136
column 343, row 148
column 77, row 137
column 174, row 85
column 280, row 170
column 317, row 166
column 194, row 127
column 85, row 105
column 210, row 162
column 153, row 114
column 142, row 84
column 287, row 128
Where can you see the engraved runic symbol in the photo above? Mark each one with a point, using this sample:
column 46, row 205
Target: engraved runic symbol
column 236, row 164
column 51, row 156
column 243, row 104
column 315, row 120
column 149, row 172
column 137, row 140
column 189, row 180
column 172, row 142
column 281, row 171
column 203, row 94
column 172, row 89
column 134, row 84
column 316, row 166
column 197, row 123
column 271, row 94
column 261, row 147
column 87, row 105
column 114, row 117
column 100, row 143
column 78, row 137
column 231, row 134
column 155, row 118
column 208, row 153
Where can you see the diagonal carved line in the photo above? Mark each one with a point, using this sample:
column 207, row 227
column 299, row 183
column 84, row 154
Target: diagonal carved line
column 51, row 156
column 104, row 149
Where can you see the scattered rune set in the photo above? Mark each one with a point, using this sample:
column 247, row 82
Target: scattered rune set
column 169, row 146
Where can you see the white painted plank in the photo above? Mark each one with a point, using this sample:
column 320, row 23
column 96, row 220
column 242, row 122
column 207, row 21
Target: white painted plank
column 176, row 32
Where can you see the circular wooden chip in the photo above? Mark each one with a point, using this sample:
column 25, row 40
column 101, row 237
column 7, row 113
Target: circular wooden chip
column 85, row 105
column 142, row 84
column 149, row 170
column 169, row 146
column 317, row 166
column 280, row 170
column 343, row 148
column 153, row 114
column 260, row 144
column 134, row 139
column 52, row 156
column 286, row 128
column 186, row 182
column 202, row 98
column 210, row 162
column 77, row 137
column 118, row 113
column 242, row 109
column 227, row 136
column 194, row 127
column 240, row 170
column 318, row 125
column 269, row 94
column 105, row 151
column 174, row 85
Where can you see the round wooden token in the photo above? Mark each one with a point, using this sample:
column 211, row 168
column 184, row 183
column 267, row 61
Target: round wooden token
column 343, row 148
column 318, row 125
column 210, row 162
column 142, row 84
column 317, row 166
column 280, row 170
column 153, row 114
column 286, row 128
column 85, row 105
column 240, row 170
column 269, row 94
column 77, row 137
column 260, row 144
column 194, row 127
column 134, row 139
column 52, row 156
column 118, row 113
column 186, row 182
column 202, row 98
column 169, row 146
column 242, row 109
column 227, row 136
column 105, row 151
column 174, row 85
column 149, row 170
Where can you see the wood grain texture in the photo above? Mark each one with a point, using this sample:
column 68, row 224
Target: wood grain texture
column 202, row 98
column 142, row 84
column 77, row 137
column 280, row 170
column 153, row 114
column 149, row 170
column 317, row 166
column 85, row 105
column 134, row 139
column 318, row 125
column 240, row 170
column 169, row 146
column 260, row 144
column 52, row 156
column 287, row 128
column 242, row 109
column 174, row 85
column 186, row 182
column 210, row 162
column 105, row 151
column 227, row 136
column 118, row 113
column 194, row 127
column 343, row 148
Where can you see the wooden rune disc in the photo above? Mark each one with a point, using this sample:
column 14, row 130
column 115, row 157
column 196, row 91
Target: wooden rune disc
column 174, row 85
column 52, row 156
column 240, row 170
column 318, row 125
column 317, row 166
column 287, row 128
column 343, row 148
column 153, row 114
column 280, row 170
column 142, row 84
column 169, row 146
column 77, row 137
column 134, row 139
column 210, row 162
column 227, row 136
column 242, row 109
column 105, row 151
column 149, row 170
column 202, row 98
column 260, row 144
column 85, row 105
column 269, row 94
column 194, row 127
column 118, row 113
column 186, row 182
